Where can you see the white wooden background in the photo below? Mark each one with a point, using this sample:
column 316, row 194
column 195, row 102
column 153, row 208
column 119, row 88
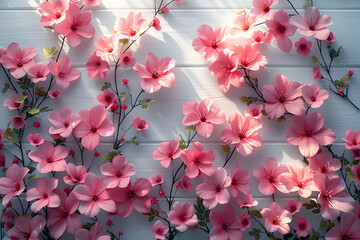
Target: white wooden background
column 20, row 22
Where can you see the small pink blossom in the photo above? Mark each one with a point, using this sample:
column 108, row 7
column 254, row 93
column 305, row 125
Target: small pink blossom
column 107, row 46
column 35, row 139
column 18, row 121
column 325, row 164
column 52, row 11
column 11, row 103
column 36, row 124
column 352, row 139
column 293, row 207
column 308, row 132
column 355, row 169
column 154, row 200
column 243, row 220
column 276, row 218
column 155, row 180
column 225, row 224
column 247, row 201
column 64, row 72
column 24, row 226
column 262, row 8
column 140, row 124
column 130, row 27
column 155, row 23
column 243, row 134
column 239, row 181
column 340, row 91
column 126, row 60
column 185, row 183
column 250, row 57
column 213, row 189
column 317, row 73
column 97, row 232
column 302, row 227
column 124, row 107
column 63, row 122
column 269, row 176
column 159, row 229
column 254, row 111
column 167, row 151
column 331, row 37
column 110, row 223
column 303, row 46
column 282, row 96
column 161, row 193
column 182, row 217
column 92, row 3
column 96, row 67
column 156, row 73
column 125, row 82
column 350, row 73
column 39, row 72
column 76, row 174
column 75, row 25
column 258, row 37
column 54, row 94
column 107, row 98
column 93, row 125
column 117, row 172
column 313, row 95
column 18, row 60
column 12, row 184
column 44, row 192
column 313, row 24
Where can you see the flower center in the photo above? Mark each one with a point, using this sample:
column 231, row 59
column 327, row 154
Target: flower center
column 292, row 208
column 324, row 170
column 245, row 27
column 272, row 179
column 98, row 63
column 245, row 222
column 66, row 125
column 203, row 119
column 126, row 59
column 275, row 221
column 132, row 32
column 303, row 46
column 313, row 99
column 214, row 45
column 155, row 75
column 74, row 27
column 218, row 189
column 241, row 134
column 281, row 29
column 282, row 99
column 225, row 227
column 17, row 186
column 93, row 129
column 131, row 194
column 45, row 195
column 39, row 75
column 19, row 64
column 170, row 155
column 95, row 198
column 266, row 9
column 311, row 27
column 65, row 214
column 118, row 174
column 49, row 160
column 61, row 74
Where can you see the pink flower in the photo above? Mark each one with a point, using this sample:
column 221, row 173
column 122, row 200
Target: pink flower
column 308, row 132
column 331, row 37
column 313, row 95
column 303, row 46
column 317, row 73
column 302, row 227
column 349, row 229
column 155, row 180
column 125, row 82
column 269, row 176
column 225, row 225
column 247, row 201
column 123, row 107
column 54, row 94
column 11, row 103
column 12, row 184
column 332, row 198
column 96, row 67
column 325, row 164
column 185, row 183
column 312, row 24
column 92, row 3
column 63, row 122
column 64, row 72
column 75, row 25
column 94, row 196
column 140, row 124
column 107, row 98
column 76, row 174
column 350, row 73
column 167, row 151
column 36, row 124
column 299, row 179
column 283, row 96
column 197, row 161
column 293, row 207
column 38, row 71
column 183, row 217
column 97, row 232
column 50, row 158
column 203, row 116
column 276, row 218
column 225, row 69
column 258, row 37
column 131, row 197
column 126, row 60
column 19, row 60
column 280, row 30
column 239, row 181
column 64, row 218
column 245, row 23
column 355, row 169
column 262, row 8
column 2, row 51
column 250, row 58
column 340, row 91
column 211, row 42
column 159, row 229
column 352, row 139
column 213, row 189
column 117, row 172
column 243, row 220
column 35, row 139
column 242, row 134
column 156, row 73
column 93, row 125
column 110, row 223
column 131, row 27
column 44, row 192
column 17, row 121
column 107, row 46
column 357, row 212
column 52, row 11
column 26, row 228
column 254, row 111
column 155, row 23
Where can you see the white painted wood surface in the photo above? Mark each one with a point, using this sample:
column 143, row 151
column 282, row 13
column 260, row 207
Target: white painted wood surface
column 20, row 22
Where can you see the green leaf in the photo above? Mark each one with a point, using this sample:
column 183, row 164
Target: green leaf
column 244, row 99
column 314, row 59
column 151, row 218
column 21, row 99
column 145, row 106
column 33, row 111
column 256, row 213
column 12, row 140
column 271, row 237
column 4, row 90
column 31, row 169
column 316, row 211
column 35, row 176
column 202, row 224
column 343, row 79
column 46, row 50
column 322, row 225
column 55, row 52
column 351, row 176
column 338, row 83
column 135, row 143
column 190, row 128
column 4, row 170
column 7, row 133
column 199, row 201
column 251, row 233
column 226, row 148
column 107, row 157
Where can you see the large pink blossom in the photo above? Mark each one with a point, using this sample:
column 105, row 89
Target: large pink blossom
column 131, row 27
column 44, row 192
column 93, row 125
column 269, row 176
column 167, row 151
column 64, row 72
column 63, row 122
column 75, row 25
column 239, row 181
column 107, row 46
column 280, row 30
column 262, row 8
column 313, row 24
column 332, row 198
column 276, row 218
column 313, row 95
column 323, row 163
column 226, row 72
column 183, row 217
column 283, row 96
column 117, row 172
column 159, row 229
column 97, row 232
column 11, row 103
column 225, row 224
column 96, row 66
column 12, row 185
column 39, row 72
column 76, row 174
column 52, row 11
column 27, row 228
column 349, row 229
column 93, row 196
column 250, row 57
column 308, row 132
column 244, row 25
column 203, row 116
column 197, row 161
column 213, row 189
column 18, row 60
column 156, row 73
column 243, row 134
column 211, row 41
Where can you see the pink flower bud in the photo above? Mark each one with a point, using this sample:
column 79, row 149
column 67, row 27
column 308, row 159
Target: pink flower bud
column 340, row 91
column 161, row 193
